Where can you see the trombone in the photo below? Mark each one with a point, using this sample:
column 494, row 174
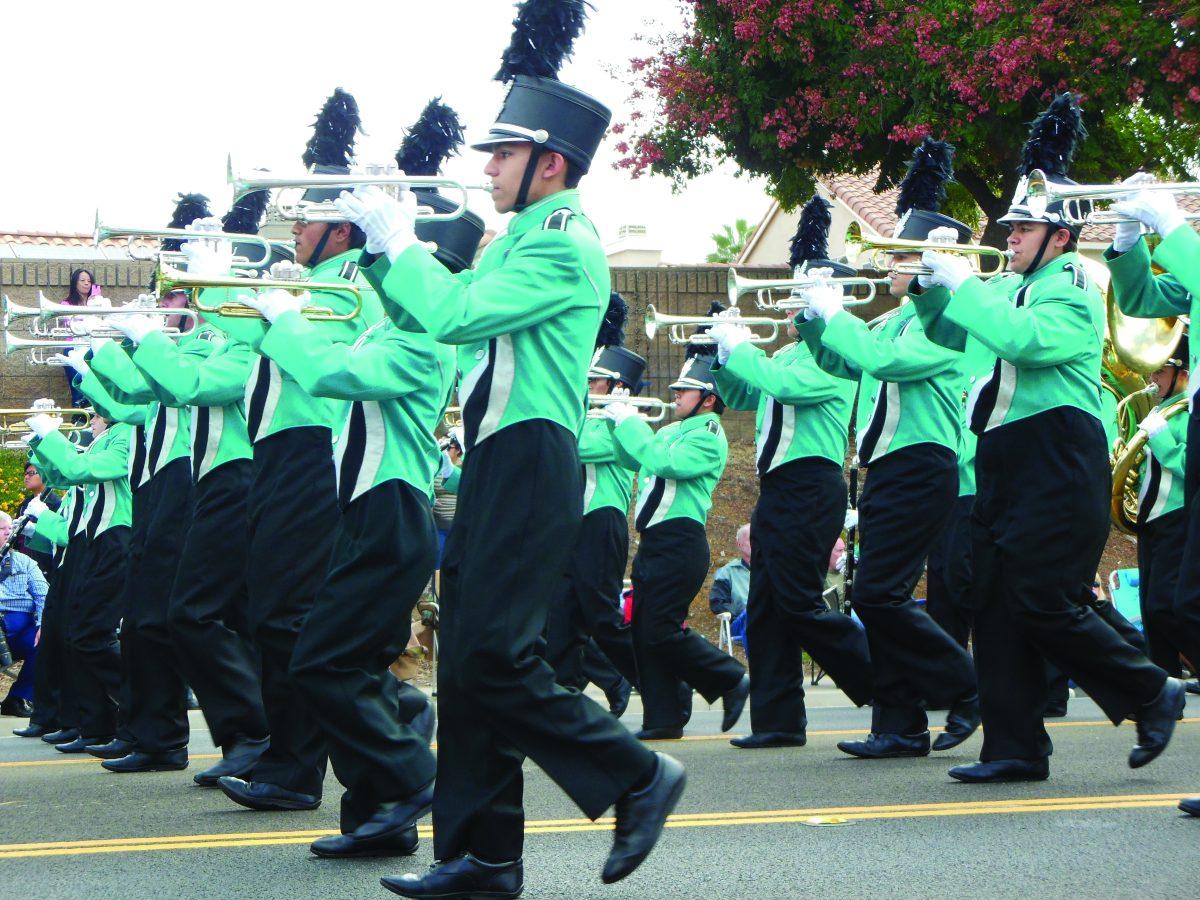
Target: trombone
column 762, row 288
column 1040, row 192
column 325, row 211
column 172, row 279
column 863, row 253
column 684, row 329
column 649, row 408
column 105, row 232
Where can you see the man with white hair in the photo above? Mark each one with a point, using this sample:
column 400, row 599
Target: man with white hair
column 22, row 596
column 731, row 585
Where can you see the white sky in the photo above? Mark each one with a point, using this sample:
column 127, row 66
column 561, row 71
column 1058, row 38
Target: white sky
column 91, row 123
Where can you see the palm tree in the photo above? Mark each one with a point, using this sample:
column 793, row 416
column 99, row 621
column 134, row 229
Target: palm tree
column 730, row 242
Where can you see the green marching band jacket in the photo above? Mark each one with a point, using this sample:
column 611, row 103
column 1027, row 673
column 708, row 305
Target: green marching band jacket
column 208, row 375
column 1160, row 490
column 524, row 320
column 272, row 399
column 1047, row 336
column 680, row 466
column 53, row 526
column 914, row 384
column 801, row 410
column 1177, row 292
column 103, row 466
column 398, row 384
column 607, row 482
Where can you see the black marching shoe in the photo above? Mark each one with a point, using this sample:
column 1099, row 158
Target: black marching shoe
column 464, row 876
column 80, row 744
column 17, row 707
column 761, row 740
column 1055, row 709
column 618, row 697
column 61, row 736
column 660, row 734
column 1000, row 770
column 31, row 731
column 887, row 746
column 1192, row 687
column 733, row 702
column 391, row 831
column 137, row 761
column 1190, row 805
column 961, row 722
column 266, row 797
column 114, row 749
column 237, row 761
column 1156, row 723
column 641, row 816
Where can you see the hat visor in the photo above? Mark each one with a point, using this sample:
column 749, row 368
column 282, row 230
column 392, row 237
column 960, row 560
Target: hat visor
column 499, row 136
column 595, row 372
column 691, row 384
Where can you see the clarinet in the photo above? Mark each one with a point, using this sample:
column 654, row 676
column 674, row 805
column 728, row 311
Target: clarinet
column 851, row 538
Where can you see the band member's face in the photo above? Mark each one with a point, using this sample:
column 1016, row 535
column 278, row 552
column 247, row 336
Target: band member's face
column 5, row 530
column 1169, row 380
column 1026, row 239
column 599, row 385
column 506, row 168
column 308, row 237
column 686, row 401
column 175, row 300
column 33, row 481
column 99, row 425
column 792, row 331
column 899, row 281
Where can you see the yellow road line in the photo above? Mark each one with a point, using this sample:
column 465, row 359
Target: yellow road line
column 566, row 826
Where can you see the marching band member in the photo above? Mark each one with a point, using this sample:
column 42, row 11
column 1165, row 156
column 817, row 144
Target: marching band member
column 1041, row 512
column 907, row 434
column 679, row 467
column 525, row 321
column 803, row 418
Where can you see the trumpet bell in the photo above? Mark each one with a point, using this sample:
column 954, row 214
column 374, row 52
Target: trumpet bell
column 686, row 329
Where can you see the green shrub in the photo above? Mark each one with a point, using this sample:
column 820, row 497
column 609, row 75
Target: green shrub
column 12, row 479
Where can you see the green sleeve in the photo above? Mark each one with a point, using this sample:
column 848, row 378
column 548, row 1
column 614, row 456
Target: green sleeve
column 787, row 384
column 450, row 482
column 95, row 390
column 1042, row 334
column 813, row 332
column 51, row 476
column 195, row 351
column 930, row 304
column 192, row 380
column 700, row 454
column 538, row 281
column 116, row 371
column 735, row 393
column 908, row 356
column 247, row 329
column 1179, row 254
column 1137, row 290
column 623, row 457
column 52, row 529
column 597, row 445
column 1170, row 447
column 380, row 370
column 105, row 463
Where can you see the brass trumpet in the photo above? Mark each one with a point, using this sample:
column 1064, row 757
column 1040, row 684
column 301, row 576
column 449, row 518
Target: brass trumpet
column 649, row 408
column 678, row 326
column 1040, row 192
column 762, row 288
column 172, row 279
column 325, row 211
column 105, row 232
column 12, row 421
column 867, row 253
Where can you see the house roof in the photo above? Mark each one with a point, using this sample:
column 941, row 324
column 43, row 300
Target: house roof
column 63, row 245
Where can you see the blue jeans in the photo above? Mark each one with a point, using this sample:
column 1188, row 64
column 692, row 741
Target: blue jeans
column 21, row 629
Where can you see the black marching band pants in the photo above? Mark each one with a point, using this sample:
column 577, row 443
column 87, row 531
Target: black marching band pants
column 1039, row 526
column 1187, row 597
column 208, row 613
column 800, row 511
column 1160, row 556
column 905, row 503
column 949, row 590
column 589, row 605
column 668, row 570
column 293, row 509
column 93, row 613
column 505, row 558
column 54, row 704
column 384, row 552
column 158, row 694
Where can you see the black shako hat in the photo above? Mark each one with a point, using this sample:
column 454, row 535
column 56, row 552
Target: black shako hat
column 331, row 147
column 1053, row 138
column 810, row 243
column 923, row 191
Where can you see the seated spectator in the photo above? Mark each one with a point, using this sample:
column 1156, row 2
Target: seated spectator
column 22, row 595
column 731, row 584
column 35, row 487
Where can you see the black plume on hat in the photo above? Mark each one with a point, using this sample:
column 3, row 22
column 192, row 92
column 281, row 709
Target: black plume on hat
column 694, row 348
column 924, row 184
column 434, row 138
column 811, row 240
column 544, row 33
column 246, row 213
column 612, row 329
column 1053, row 137
column 332, row 141
column 188, row 208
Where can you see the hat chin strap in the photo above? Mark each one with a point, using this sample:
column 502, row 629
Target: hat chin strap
column 535, row 156
column 1037, row 259
column 315, row 256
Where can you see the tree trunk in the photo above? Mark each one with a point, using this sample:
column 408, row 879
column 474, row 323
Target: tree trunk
column 994, row 233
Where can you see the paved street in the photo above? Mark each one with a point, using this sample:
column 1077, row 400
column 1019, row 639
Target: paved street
column 776, row 823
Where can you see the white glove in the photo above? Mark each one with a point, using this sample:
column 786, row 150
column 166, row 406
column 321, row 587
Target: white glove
column 824, row 300
column 389, row 224
column 943, row 235
column 851, row 520
column 840, row 564
column 42, row 424
column 29, row 529
column 447, row 466
column 949, row 270
column 99, row 301
column 208, row 259
column 35, row 507
column 134, row 327
column 274, row 303
column 1130, row 230
column 619, row 412
column 729, row 336
column 1153, row 423
column 1157, row 210
column 208, row 223
column 75, row 359
column 43, row 403
column 286, row 271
